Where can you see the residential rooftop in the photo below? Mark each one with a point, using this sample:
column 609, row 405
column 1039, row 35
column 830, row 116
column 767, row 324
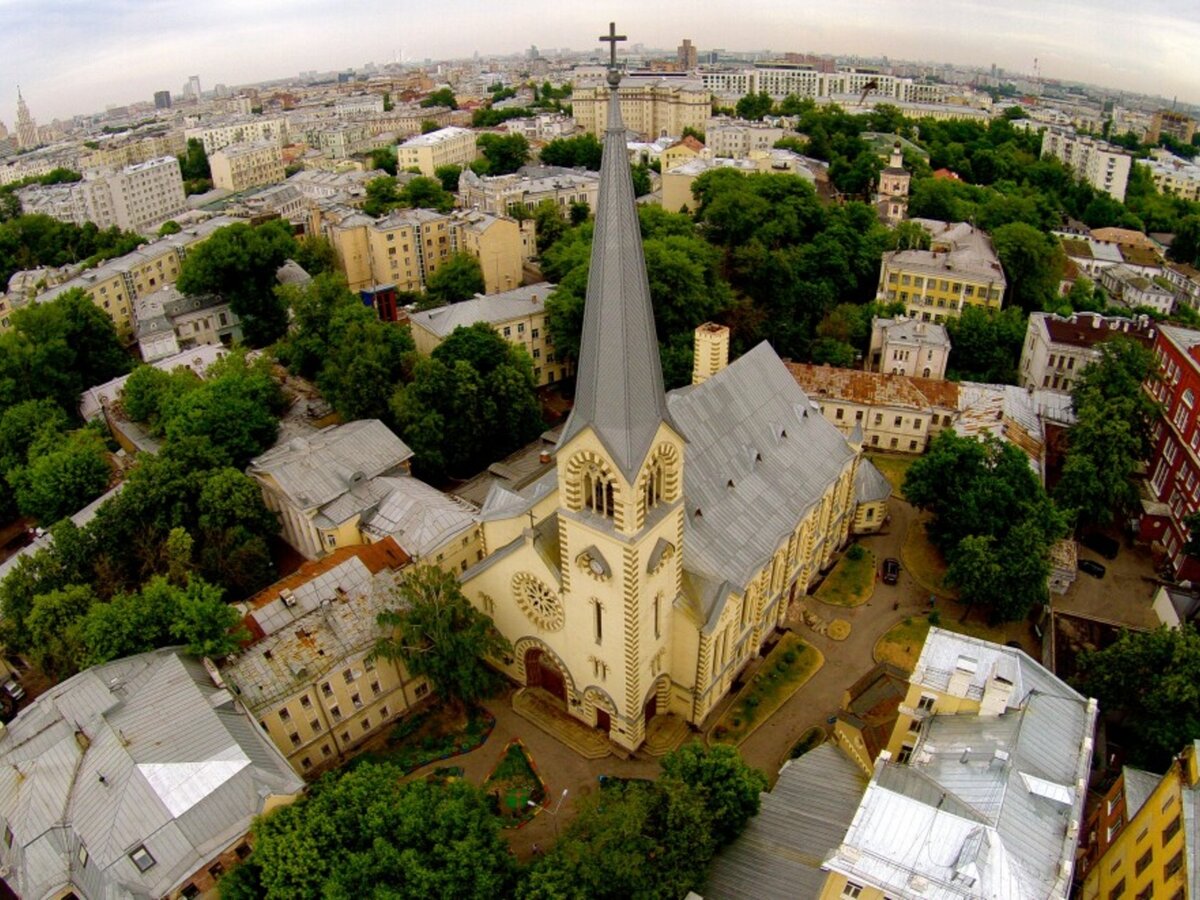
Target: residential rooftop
column 493, row 309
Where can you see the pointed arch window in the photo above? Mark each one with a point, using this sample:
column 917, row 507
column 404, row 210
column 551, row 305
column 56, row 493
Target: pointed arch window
column 599, row 495
column 655, row 477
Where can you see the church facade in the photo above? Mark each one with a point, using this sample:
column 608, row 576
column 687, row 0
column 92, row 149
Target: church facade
column 642, row 572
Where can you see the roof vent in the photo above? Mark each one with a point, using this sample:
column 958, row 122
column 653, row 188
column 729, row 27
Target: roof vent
column 288, row 598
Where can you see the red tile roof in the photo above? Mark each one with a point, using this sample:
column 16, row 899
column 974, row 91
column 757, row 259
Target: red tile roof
column 874, row 388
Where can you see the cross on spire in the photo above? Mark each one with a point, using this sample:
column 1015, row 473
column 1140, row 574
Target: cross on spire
column 611, row 39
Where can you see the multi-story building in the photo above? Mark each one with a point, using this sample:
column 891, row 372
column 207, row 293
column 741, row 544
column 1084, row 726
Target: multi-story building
column 904, row 346
column 653, row 107
column 498, row 194
column 1057, row 349
column 358, row 104
column 141, row 777
column 783, row 79
column 1174, row 464
column 518, row 315
column 162, row 99
column 138, row 198
column 214, row 136
column 891, row 412
column 115, row 285
column 344, row 140
column 1102, row 165
column 451, row 146
column 1134, row 291
column 1174, row 175
column 736, row 138
column 686, row 56
column 960, row 269
column 891, row 195
column 405, row 247
column 542, row 127
column 236, row 167
column 1176, row 124
column 115, row 153
column 981, row 790
column 26, row 127
column 169, row 322
column 1185, row 280
column 308, row 676
column 1140, row 841
column 677, row 182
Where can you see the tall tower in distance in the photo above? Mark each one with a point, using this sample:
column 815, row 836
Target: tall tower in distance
column 686, row 56
column 193, row 86
column 27, row 133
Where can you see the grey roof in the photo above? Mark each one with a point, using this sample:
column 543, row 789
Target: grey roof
column 492, row 309
column 316, row 470
column 869, row 483
column 145, row 751
column 1139, row 785
column 989, row 805
column 619, row 386
column 752, row 425
column 804, row 817
column 917, row 333
column 419, row 517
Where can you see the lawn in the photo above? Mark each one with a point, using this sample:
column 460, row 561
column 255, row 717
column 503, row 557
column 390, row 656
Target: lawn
column 437, row 732
column 514, row 784
column 901, row 644
column 893, row 468
column 924, row 561
column 852, row 580
column 782, row 673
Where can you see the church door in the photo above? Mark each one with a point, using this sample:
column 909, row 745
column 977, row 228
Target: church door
column 540, row 671
column 603, row 720
column 651, row 707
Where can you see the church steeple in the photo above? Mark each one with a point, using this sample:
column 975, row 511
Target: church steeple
column 619, row 385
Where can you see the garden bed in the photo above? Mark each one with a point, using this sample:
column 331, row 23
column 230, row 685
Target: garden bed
column 852, row 581
column 513, row 784
column 783, row 672
column 435, row 733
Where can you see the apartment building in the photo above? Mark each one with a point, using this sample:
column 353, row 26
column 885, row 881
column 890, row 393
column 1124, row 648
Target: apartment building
column 1174, row 464
column 308, row 676
column 652, row 107
column 904, row 346
column 405, row 247
column 891, row 412
column 1178, row 125
column 736, row 138
column 116, row 153
column 1134, row 290
column 677, row 182
column 1174, row 175
column 115, row 285
column 782, row 79
column 169, row 322
column 960, row 269
column 517, row 315
column 1057, row 349
column 344, row 140
column 451, row 146
column 1102, row 165
column 1185, row 280
column 137, row 198
column 216, row 135
column 498, row 194
column 237, row 167
column 1140, row 840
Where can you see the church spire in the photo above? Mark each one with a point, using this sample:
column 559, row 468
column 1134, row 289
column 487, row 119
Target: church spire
column 619, row 386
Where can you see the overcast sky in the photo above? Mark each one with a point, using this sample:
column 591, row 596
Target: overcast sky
column 76, row 56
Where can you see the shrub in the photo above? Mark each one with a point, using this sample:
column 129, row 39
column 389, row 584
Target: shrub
column 935, row 617
column 789, row 657
column 855, row 553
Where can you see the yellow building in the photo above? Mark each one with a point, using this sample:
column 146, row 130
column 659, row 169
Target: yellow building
column 653, row 107
column 450, row 146
column 680, row 152
column 959, row 269
column 518, row 315
column 237, row 167
column 640, row 574
column 308, row 677
column 1140, row 841
column 405, row 247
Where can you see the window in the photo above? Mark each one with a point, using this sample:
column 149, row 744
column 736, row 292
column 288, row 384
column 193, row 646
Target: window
column 878, row 418
column 1117, row 891
column 348, row 676
column 533, row 333
column 383, row 711
column 1146, row 893
column 1170, row 831
column 899, row 421
column 375, row 689
column 520, row 328
column 851, row 891
column 905, row 754
column 658, row 614
column 366, row 723
column 325, row 751
column 926, row 703
column 356, row 700
column 508, row 331
column 216, row 870
column 422, row 690
column 368, row 663
column 284, row 715
column 1143, row 863
column 294, row 737
column 598, row 612
column 912, row 445
column 326, row 689
column 190, row 892
column 336, row 712
column 314, row 725
column 142, row 859
column 345, row 737
column 306, row 702
column 1175, row 864
column 306, row 763
column 838, row 413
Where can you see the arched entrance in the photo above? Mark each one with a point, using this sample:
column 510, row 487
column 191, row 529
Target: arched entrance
column 541, row 671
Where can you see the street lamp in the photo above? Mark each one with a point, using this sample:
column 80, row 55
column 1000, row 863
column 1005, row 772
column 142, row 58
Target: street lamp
column 553, row 812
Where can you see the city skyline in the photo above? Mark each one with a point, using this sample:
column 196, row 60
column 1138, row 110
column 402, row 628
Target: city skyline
column 72, row 58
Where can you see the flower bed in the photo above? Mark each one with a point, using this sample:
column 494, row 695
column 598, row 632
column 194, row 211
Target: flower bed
column 435, row 733
column 783, row 672
column 513, row 784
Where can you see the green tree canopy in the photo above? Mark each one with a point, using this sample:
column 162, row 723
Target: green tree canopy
column 985, row 344
column 1033, row 263
column 436, row 632
column 440, row 97
column 384, row 159
column 505, row 153
column 239, row 263
column 729, row 787
column 193, row 163
column 582, row 151
column 62, row 477
column 458, row 278
column 385, row 194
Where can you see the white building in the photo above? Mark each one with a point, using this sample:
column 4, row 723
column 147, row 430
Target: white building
column 1134, row 290
column 137, row 198
column 237, row 167
column 1174, row 175
column 904, row 346
column 499, row 193
column 736, row 138
column 1057, row 349
column 451, row 146
column 214, row 136
column 1103, row 166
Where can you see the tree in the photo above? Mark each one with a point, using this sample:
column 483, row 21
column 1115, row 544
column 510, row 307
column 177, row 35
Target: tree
column 991, row 519
column 729, row 787
column 239, row 263
column 169, row 227
column 1148, row 683
column 582, row 151
column 1033, row 263
column 448, row 176
column 62, row 476
column 440, row 97
column 193, row 163
column 910, row 236
column 315, row 254
column 384, row 159
column 1186, row 246
column 458, row 278
column 580, row 212
column 385, row 194
column 436, row 632
column 148, row 391
column 360, row 833
column 54, row 641
column 985, row 344
column 755, row 106
column 505, row 153
column 641, row 179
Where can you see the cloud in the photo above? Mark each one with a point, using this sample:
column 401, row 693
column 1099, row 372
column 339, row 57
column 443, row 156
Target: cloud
column 73, row 56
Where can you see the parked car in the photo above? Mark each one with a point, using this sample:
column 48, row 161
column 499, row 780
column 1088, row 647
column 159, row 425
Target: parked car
column 891, row 570
column 1093, row 568
column 1100, row 543
column 11, row 694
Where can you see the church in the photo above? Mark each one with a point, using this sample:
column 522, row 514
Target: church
column 643, row 571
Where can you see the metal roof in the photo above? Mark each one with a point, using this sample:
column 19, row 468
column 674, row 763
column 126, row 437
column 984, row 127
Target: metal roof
column 493, row 309
column 760, row 455
column 419, row 517
column 803, row 818
column 145, row 751
column 619, row 386
column 869, row 483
